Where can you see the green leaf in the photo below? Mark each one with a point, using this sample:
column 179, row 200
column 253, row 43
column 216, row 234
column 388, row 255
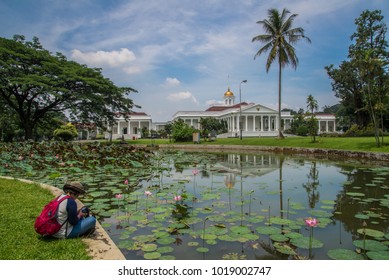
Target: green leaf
column 344, row 254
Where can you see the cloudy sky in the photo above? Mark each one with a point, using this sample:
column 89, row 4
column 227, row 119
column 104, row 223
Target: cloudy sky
column 184, row 54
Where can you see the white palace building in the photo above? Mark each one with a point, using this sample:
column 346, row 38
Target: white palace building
column 255, row 120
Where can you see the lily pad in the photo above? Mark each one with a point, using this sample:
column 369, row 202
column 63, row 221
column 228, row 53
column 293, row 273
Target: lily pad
column 370, row 245
column 371, row 232
column 152, row 256
column 149, row 247
column 284, row 249
column 278, row 237
column 165, row 249
column 304, row 242
column 357, row 194
column 344, row 254
column 202, row 250
column 268, row 230
column 378, row 255
column 166, row 240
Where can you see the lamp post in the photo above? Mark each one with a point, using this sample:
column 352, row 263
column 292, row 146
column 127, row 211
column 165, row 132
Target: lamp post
column 240, row 107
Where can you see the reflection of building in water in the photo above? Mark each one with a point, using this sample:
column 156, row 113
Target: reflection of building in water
column 249, row 165
column 229, row 180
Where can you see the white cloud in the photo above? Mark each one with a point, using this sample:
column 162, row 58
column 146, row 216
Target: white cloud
column 183, row 95
column 172, row 82
column 213, row 102
column 103, row 58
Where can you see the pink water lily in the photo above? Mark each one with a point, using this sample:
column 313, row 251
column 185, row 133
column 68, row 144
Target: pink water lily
column 195, row 172
column 126, row 182
column 177, row 198
column 119, row 196
column 148, row 193
column 311, row 222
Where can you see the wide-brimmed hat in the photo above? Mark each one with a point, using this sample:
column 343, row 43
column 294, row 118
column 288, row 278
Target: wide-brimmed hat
column 74, row 186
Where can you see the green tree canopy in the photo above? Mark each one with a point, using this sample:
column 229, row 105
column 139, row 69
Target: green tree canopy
column 35, row 82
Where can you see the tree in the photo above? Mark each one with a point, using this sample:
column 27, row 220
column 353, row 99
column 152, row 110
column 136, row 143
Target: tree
column 181, row 131
column 312, row 122
column 210, row 124
column 362, row 81
column 34, row 82
column 279, row 41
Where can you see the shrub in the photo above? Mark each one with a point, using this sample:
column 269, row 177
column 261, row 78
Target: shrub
column 66, row 132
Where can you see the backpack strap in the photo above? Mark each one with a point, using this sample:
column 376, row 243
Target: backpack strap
column 56, row 214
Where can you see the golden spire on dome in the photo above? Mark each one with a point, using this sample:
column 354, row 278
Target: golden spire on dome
column 228, row 92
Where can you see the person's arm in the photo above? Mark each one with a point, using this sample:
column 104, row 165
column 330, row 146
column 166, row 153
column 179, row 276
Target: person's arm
column 71, row 208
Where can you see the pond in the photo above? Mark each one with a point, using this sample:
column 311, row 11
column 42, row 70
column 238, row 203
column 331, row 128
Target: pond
column 196, row 206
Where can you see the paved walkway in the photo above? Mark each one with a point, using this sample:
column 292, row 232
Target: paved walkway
column 101, row 246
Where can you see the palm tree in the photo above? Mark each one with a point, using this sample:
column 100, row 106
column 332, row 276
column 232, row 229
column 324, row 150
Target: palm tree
column 279, row 40
column 312, row 106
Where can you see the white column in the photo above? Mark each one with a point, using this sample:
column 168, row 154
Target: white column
column 261, row 123
column 269, row 122
column 246, row 127
column 326, row 126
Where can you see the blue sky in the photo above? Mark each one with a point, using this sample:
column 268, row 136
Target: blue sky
column 184, row 54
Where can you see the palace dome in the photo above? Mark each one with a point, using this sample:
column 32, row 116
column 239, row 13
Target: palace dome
column 228, row 93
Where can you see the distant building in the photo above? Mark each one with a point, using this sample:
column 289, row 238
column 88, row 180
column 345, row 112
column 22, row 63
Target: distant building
column 255, row 120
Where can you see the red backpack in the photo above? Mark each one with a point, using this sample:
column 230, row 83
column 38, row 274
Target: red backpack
column 46, row 223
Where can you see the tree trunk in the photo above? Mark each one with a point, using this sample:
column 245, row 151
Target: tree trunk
column 280, row 135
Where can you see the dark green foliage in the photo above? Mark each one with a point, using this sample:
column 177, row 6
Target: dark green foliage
column 34, row 83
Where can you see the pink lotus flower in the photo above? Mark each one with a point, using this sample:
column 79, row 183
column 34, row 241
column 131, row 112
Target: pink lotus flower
column 126, row 182
column 119, row 196
column 148, row 193
column 311, row 222
column 195, row 172
column 177, row 198
column 20, row 157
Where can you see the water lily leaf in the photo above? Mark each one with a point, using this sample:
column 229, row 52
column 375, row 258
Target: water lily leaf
column 344, row 254
column 370, row 245
column 279, row 237
column 320, row 213
column 152, row 256
column 149, row 247
column 165, row 249
column 304, row 242
column 167, row 257
column 357, row 194
column 193, row 244
column 268, row 230
column 362, row 216
column 202, row 250
column 240, row 229
column 371, row 232
column 284, row 249
column 378, row 255
column 166, row 240
column 280, row 221
column 293, row 235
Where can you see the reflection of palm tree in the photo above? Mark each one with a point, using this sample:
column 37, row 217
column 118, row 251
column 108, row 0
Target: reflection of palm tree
column 311, row 185
column 280, row 180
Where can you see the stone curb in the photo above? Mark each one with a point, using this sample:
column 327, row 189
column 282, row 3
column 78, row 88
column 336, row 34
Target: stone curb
column 100, row 245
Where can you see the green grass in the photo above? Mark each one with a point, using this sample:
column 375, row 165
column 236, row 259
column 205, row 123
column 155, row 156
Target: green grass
column 362, row 144
column 20, row 204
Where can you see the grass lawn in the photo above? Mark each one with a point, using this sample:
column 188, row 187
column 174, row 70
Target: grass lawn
column 362, row 144
column 20, row 204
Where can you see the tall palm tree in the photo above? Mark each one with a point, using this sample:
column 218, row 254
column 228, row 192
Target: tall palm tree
column 278, row 41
